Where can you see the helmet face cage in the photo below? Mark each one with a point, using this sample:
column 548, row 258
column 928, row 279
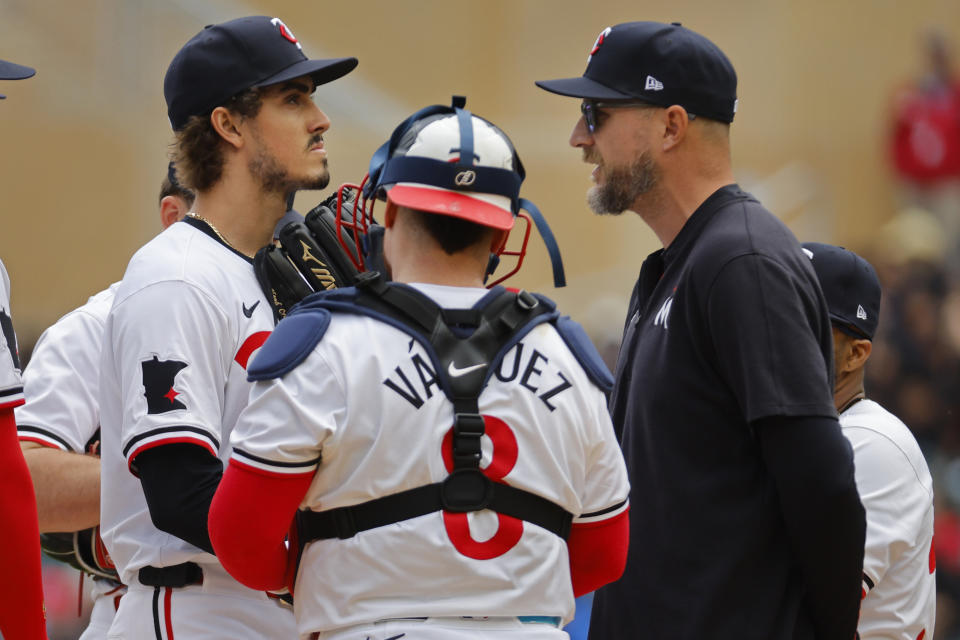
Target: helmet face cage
column 519, row 253
column 356, row 216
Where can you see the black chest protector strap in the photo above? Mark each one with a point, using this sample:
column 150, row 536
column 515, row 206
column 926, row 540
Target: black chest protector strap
column 468, row 344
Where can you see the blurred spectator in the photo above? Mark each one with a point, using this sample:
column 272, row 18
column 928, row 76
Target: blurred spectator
column 925, row 141
column 926, row 118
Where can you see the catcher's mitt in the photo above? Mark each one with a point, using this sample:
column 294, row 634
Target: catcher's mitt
column 309, row 257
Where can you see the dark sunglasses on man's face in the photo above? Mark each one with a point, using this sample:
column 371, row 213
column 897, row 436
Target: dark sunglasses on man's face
column 589, row 109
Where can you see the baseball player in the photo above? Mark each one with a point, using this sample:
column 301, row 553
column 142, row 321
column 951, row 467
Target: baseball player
column 899, row 585
column 21, row 593
column 61, row 419
column 188, row 316
column 377, row 427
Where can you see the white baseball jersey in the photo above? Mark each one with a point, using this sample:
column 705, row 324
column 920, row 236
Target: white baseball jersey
column 61, row 385
column 62, row 410
column 368, row 401
column 186, row 319
column 11, row 386
column 897, row 493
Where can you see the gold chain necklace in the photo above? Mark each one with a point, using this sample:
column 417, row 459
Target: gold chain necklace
column 197, row 216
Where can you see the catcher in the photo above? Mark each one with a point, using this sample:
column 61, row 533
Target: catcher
column 451, row 444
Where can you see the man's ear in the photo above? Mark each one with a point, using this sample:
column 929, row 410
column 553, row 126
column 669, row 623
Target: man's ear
column 227, row 124
column 859, row 353
column 172, row 208
column 390, row 215
column 676, row 121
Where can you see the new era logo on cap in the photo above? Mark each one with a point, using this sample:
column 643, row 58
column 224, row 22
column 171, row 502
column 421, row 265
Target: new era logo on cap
column 653, row 84
column 861, row 313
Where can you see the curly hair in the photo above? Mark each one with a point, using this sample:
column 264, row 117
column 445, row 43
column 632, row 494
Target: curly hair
column 197, row 152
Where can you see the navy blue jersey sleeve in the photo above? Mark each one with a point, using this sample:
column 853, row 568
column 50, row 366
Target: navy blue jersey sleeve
column 771, row 336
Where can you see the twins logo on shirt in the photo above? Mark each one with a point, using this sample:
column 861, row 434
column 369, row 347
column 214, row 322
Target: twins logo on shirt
column 158, row 380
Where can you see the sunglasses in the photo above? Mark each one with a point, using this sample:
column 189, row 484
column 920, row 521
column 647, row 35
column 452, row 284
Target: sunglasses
column 590, row 109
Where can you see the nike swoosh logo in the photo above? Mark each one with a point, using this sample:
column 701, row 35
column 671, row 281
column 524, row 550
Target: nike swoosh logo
column 249, row 312
column 395, row 637
column 456, row 372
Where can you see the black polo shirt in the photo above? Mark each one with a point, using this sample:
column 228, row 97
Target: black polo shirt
column 726, row 326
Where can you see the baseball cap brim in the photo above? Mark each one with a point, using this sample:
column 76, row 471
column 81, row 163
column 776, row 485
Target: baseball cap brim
column 469, row 206
column 583, row 87
column 14, row 71
column 845, row 326
column 321, row 71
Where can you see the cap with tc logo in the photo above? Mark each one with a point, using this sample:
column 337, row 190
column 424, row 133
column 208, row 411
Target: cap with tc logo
column 226, row 59
column 663, row 64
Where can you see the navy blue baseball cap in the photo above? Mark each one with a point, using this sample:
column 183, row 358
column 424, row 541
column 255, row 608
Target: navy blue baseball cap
column 14, row 71
column 226, row 59
column 850, row 286
column 663, row 64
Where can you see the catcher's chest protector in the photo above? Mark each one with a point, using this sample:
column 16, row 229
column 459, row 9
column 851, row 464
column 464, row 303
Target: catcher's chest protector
column 469, row 342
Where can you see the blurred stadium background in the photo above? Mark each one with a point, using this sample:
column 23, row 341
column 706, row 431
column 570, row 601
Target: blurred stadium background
column 85, row 147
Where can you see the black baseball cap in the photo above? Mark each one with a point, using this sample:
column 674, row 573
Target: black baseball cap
column 225, row 59
column 663, row 64
column 14, row 71
column 850, row 286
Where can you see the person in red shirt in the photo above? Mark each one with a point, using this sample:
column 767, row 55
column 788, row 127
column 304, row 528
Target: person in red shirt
column 925, row 136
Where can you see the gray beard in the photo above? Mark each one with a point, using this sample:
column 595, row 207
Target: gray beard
column 624, row 185
column 275, row 179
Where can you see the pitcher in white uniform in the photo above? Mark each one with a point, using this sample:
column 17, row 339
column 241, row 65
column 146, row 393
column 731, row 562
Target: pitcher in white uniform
column 187, row 318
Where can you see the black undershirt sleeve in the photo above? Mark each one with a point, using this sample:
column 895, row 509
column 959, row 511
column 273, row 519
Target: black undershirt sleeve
column 179, row 481
column 812, row 466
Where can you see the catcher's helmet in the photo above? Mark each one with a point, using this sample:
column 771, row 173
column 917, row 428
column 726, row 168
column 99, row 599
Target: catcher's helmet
column 451, row 162
column 447, row 161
